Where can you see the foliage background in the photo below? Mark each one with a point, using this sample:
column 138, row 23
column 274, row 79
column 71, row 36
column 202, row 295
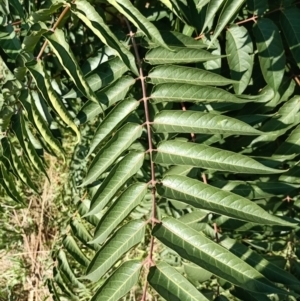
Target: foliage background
column 150, row 150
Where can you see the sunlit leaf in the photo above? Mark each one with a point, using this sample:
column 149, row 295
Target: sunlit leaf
column 121, row 282
column 64, row 266
column 193, row 93
column 268, row 269
column 238, row 49
column 122, row 241
column 171, row 285
column 8, row 183
column 23, row 137
column 212, row 8
column 121, row 140
column 176, row 40
column 108, row 96
column 228, row 12
column 195, row 247
column 43, row 128
column 103, row 75
column 117, row 177
column 10, row 44
column 159, row 55
column 82, row 234
column 134, row 15
column 115, row 117
column 186, row 75
column 198, row 122
column 199, row 155
column 67, row 59
column 256, row 190
column 44, row 85
column 270, row 51
column 291, row 146
column 210, row 198
column 87, row 13
column 73, row 249
column 128, row 200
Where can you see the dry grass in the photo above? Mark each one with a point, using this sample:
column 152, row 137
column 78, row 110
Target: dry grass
column 26, row 266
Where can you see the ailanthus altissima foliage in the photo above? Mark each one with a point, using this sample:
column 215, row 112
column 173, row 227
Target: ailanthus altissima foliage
column 186, row 125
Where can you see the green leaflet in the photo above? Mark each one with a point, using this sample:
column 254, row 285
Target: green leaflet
column 196, row 274
column 120, row 142
column 67, row 59
column 81, row 233
column 216, row 64
column 129, row 199
column 126, row 8
column 212, row 8
column 89, row 16
column 176, row 40
column 44, row 85
column 195, row 219
column 257, row 7
column 61, row 280
column 105, row 74
column 194, row 246
column 83, row 208
column 175, row 92
column 46, row 13
column 160, row 55
column 270, row 52
column 64, row 266
column 291, row 146
column 238, row 49
column 117, row 177
column 10, row 44
column 123, row 240
column 173, row 7
column 30, row 41
column 186, row 75
column 104, row 54
column 112, row 120
column 23, row 137
column 120, row 283
column 44, row 130
column 256, row 189
column 229, row 10
column 73, row 249
column 34, row 157
column 268, row 269
column 19, row 8
column 171, row 285
column 19, row 167
column 108, row 96
column 178, row 170
column 52, row 289
column 204, row 196
column 289, row 21
column 292, row 175
column 198, row 122
column 286, row 117
column 7, row 182
column 187, row 153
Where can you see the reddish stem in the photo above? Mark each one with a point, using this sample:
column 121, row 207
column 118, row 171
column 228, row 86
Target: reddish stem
column 153, row 219
column 66, row 9
column 216, row 232
column 253, row 18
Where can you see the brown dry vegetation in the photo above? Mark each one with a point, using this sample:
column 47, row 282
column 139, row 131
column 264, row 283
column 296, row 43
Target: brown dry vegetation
column 25, row 266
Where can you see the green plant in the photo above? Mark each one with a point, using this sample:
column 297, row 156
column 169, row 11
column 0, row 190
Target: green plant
column 186, row 116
